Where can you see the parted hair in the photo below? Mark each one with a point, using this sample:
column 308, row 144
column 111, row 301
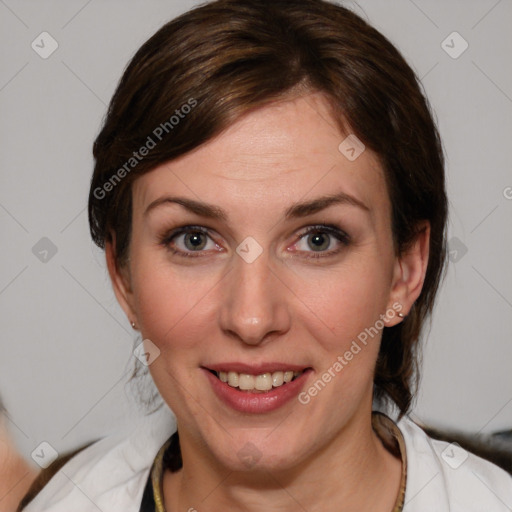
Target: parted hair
column 227, row 58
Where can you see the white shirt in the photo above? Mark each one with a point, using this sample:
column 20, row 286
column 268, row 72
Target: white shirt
column 111, row 474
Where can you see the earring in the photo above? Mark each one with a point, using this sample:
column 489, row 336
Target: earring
column 134, row 325
column 401, row 315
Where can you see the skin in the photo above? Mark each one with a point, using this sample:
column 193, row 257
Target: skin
column 285, row 306
column 16, row 475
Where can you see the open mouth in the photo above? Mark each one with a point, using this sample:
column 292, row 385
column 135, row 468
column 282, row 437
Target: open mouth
column 261, row 383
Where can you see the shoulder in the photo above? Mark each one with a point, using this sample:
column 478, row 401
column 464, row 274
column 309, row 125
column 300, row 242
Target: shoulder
column 109, row 474
column 45, row 475
column 443, row 476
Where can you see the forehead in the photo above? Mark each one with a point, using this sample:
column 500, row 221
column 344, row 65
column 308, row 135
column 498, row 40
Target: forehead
column 272, row 157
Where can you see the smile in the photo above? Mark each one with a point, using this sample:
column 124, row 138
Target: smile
column 256, row 389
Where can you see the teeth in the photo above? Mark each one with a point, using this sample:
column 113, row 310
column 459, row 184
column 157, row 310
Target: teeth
column 245, row 381
column 277, row 379
column 262, row 382
column 233, row 379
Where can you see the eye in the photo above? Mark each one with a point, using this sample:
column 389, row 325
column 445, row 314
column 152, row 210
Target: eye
column 194, row 241
column 325, row 240
column 188, row 240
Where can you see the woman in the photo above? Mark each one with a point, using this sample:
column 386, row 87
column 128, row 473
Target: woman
column 269, row 191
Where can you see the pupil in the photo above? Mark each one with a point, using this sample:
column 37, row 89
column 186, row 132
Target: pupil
column 319, row 241
column 193, row 241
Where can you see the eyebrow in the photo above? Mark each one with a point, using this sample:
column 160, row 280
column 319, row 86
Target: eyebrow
column 297, row 210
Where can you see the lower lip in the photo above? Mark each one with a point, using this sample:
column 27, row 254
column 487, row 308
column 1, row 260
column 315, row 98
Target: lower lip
column 256, row 403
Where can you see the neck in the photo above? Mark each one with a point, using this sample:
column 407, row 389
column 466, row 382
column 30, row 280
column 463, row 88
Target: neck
column 353, row 472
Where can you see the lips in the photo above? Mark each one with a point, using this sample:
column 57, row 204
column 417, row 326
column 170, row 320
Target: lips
column 255, row 369
column 256, row 388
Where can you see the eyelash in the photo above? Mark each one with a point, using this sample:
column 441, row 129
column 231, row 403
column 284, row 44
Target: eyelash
column 329, row 229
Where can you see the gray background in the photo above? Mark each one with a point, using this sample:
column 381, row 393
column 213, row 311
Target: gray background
column 66, row 346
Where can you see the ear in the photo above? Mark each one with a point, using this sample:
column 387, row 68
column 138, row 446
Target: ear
column 409, row 274
column 121, row 282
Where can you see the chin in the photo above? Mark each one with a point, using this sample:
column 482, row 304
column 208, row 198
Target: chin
column 252, row 451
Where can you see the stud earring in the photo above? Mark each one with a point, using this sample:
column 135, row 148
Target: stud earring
column 134, row 325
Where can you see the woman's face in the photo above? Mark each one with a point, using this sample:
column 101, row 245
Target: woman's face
column 269, row 277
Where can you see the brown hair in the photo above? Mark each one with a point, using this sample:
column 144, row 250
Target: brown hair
column 229, row 57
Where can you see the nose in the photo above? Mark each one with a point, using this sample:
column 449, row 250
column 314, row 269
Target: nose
column 255, row 307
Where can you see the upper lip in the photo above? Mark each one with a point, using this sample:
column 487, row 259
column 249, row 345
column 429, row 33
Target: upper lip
column 255, row 369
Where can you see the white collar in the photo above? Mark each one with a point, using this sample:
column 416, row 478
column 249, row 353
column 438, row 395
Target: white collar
column 111, row 474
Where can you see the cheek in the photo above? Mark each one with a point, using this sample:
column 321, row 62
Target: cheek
column 344, row 301
column 342, row 316
column 168, row 301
